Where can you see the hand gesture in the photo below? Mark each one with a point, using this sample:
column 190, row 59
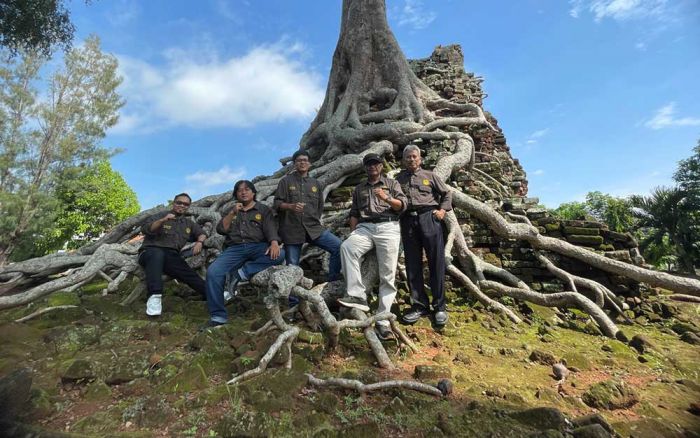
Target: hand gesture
column 197, row 248
column 298, row 207
column 381, row 194
column 169, row 217
column 439, row 214
column 273, row 250
column 236, row 208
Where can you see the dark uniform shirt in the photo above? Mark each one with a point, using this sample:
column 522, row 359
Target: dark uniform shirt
column 294, row 226
column 424, row 189
column 253, row 226
column 367, row 207
column 174, row 233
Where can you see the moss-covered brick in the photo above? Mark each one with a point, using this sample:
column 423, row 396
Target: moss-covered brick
column 581, row 231
column 555, row 226
column 585, row 239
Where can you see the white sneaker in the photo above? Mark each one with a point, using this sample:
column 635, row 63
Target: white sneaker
column 227, row 297
column 154, row 307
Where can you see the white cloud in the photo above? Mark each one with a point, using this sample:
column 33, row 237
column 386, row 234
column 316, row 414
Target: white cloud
column 620, row 10
column 535, row 136
column 413, row 14
column 201, row 181
column 197, row 88
column 538, row 172
column 123, row 12
column 665, row 117
column 641, row 46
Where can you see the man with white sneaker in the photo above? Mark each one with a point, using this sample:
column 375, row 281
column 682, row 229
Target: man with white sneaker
column 165, row 235
column 376, row 206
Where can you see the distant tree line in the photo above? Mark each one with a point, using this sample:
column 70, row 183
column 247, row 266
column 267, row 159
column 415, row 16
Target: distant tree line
column 666, row 222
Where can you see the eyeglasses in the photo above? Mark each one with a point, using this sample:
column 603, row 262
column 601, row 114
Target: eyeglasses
column 183, row 204
column 301, row 160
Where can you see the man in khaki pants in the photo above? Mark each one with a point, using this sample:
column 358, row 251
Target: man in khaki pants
column 374, row 215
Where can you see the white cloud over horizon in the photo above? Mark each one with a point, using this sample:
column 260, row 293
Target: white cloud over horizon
column 267, row 84
column 665, row 117
column 619, row 10
column 535, row 136
column 201, row 181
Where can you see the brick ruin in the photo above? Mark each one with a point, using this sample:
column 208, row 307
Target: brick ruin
column 499, row 179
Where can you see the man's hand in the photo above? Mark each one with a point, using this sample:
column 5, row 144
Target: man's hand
column 197, row 248
column 297, row 207
column 381, row 194
column 236, row 208
column 169, row 217
column 273, row 250
column 439, row 214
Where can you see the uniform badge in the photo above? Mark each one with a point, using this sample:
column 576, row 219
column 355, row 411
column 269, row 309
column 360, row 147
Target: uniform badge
column 258, row 217
column 314, row 189
column 167, row 227
column 187, row 230
column 292, row 187
column 426, row 182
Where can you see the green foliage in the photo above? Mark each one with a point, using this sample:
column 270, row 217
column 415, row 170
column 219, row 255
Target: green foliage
column 571, row 211
column 92, row 199
column 615, row 212
column 34, row 25
column 41, row 138
column 666, row 218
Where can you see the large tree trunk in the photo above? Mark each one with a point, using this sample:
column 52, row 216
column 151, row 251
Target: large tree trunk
column 370, row 82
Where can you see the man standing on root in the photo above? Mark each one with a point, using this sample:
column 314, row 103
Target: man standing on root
column 251, row 245
column 376, row 205
column 299, row 201
column 165, row 235
column 421, row 228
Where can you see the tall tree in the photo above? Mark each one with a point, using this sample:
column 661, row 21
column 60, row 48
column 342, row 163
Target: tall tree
column 42, row 137
column 38, row 25
column 663, row 216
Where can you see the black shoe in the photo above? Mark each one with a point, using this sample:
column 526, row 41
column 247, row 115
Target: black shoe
column 441, row 317
column 210, row 325
column 383, row 332
column 354, row 302
column 414, row 315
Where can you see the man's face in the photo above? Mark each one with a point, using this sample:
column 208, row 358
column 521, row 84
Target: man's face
column 244, row 193
column 302, row 164
column 412, row 160
column 181, row 204
column 374, row 169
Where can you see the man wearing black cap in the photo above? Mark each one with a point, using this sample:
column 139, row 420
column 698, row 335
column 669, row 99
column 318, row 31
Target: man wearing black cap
column 299, row 203
column 421, row 228
column 165, row 235
column 374, row 215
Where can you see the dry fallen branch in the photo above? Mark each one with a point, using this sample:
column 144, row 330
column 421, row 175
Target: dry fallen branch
column 358, row 386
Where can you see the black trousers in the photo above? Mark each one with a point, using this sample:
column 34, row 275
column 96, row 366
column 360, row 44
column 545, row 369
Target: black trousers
column 157, row 261
column 418, row 233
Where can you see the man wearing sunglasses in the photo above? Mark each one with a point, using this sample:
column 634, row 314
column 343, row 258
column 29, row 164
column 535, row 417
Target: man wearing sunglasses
column 165, row 235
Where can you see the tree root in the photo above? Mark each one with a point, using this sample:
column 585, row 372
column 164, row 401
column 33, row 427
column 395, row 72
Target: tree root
column 360, row 387
column 43, row 311
column 283, row 339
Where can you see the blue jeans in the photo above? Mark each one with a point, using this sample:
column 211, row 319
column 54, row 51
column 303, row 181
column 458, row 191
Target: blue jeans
column 326, row 241
column 248, row 259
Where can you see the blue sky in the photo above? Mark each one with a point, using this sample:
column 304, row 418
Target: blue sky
column 591, row 94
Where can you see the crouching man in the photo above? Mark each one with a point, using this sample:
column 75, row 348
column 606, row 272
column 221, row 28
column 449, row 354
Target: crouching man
column 374, row 215
column 251, row 245
column 165, row 235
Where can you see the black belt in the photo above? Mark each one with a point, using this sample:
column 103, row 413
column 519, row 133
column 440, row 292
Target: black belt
column 378, row 220
column 419, row 211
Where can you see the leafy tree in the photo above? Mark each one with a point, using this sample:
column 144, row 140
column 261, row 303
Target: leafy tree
column 92, row 199
column 34, row 25
column 664, row 219
column 615, row 212
column 42, row 137
column 572, row 211
column 688, row 173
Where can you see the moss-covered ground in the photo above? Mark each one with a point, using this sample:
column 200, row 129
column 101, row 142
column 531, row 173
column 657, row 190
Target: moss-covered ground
column 102, row 369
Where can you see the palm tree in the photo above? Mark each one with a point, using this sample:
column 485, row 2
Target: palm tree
column 666, row 216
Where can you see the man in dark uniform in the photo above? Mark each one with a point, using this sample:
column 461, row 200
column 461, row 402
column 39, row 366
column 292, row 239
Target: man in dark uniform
column 421, row 228
column 165, row 235
column 374, row 215
column 251, row 245
column 299, row 201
